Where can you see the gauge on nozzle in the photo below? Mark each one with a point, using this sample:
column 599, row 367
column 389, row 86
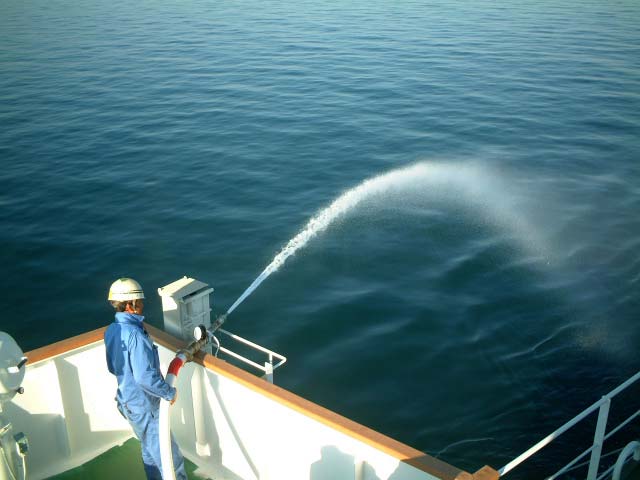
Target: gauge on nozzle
column 200, row 332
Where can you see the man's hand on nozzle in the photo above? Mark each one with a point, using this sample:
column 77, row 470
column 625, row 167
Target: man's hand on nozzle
column 175, row 397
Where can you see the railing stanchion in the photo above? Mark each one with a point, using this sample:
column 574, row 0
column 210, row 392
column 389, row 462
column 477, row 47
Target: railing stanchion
column 268, row 372
column 598, row 439
column 600, row 436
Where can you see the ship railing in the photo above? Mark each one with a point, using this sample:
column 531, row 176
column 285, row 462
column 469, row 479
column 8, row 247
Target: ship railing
column 600, row 436
column 267, row 367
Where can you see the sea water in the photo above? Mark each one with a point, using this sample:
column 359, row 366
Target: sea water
column 468, row 310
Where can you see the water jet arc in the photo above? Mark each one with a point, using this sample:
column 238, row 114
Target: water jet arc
column 476, row 187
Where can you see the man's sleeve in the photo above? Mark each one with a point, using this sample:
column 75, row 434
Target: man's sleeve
column 145, row 374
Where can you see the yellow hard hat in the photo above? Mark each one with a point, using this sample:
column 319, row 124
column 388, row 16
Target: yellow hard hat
column 125, row 289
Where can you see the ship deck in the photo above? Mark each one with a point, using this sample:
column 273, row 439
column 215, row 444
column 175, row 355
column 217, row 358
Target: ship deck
column 122, row 461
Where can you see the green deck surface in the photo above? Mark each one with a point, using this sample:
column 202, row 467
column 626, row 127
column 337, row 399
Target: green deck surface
column 123, row 461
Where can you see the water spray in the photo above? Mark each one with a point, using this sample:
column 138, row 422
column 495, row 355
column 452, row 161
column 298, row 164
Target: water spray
column 471, row 182
column 475, row 187
column 345, row 202
column 317, row 224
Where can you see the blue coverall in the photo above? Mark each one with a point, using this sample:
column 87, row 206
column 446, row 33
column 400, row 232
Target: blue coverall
column 133, row 359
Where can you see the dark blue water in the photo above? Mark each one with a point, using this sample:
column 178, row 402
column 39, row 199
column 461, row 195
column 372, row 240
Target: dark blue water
column 467, row 314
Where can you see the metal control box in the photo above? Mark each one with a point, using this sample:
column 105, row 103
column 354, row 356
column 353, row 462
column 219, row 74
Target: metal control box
column 185, row 305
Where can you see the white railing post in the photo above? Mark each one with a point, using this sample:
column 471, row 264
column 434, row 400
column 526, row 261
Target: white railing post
column 598, row 438
column 603, row 406
column 268, row 372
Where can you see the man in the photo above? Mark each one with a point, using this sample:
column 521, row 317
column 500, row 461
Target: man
column 133, row 359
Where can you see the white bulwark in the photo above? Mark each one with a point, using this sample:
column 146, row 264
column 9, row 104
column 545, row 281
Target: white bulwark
column 230, row 423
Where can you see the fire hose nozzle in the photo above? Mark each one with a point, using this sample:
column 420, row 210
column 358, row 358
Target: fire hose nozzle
column 193, row 348
column 186, row 353
column 201, row 335
column 218, row 322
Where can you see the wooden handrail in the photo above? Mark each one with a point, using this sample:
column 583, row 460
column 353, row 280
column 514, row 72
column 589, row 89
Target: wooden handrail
column 65, row 346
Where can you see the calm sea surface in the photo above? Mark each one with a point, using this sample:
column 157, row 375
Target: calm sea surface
column 468, row 312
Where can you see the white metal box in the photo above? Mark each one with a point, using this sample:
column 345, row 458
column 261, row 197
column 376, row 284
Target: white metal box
column 185, row 305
